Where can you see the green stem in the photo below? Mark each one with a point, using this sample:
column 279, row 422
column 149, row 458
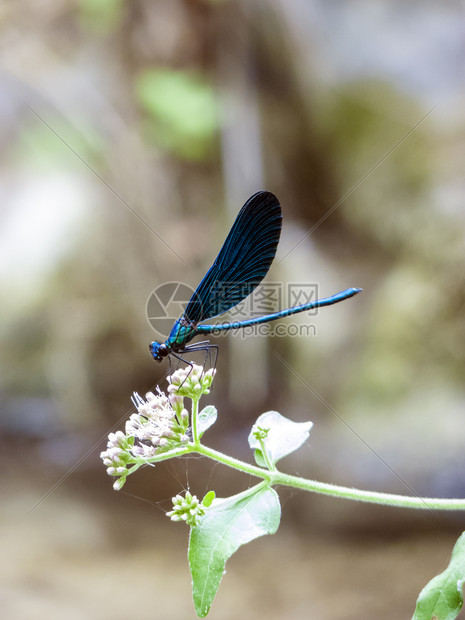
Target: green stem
column 271, row 466
column 253, row 470
column 194, row 416
column 274, row 478
column 387, row 499
column 278, row 478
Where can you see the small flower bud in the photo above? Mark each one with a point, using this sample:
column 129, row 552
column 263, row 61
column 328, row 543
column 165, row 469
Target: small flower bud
column 187, row 508
column 119, row 483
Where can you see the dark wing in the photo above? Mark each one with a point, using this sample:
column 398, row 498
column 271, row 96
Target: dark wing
column 243, row 261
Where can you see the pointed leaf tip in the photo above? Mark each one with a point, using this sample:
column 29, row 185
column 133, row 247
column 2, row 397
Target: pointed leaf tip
column 228, row 524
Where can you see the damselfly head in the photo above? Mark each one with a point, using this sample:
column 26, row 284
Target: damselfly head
column 159, row 350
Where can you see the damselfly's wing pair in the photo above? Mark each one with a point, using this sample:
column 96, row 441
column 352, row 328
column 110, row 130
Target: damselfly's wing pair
column 241, row 265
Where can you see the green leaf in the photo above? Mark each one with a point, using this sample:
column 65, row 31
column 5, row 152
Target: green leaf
column 183, row 113
column 228, row 524
column 284, row 436
column 206, row 418
column 442, row 597
column 208, row 499
column 101, row 15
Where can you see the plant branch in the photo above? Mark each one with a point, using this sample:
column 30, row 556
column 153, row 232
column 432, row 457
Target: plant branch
column 275, row 478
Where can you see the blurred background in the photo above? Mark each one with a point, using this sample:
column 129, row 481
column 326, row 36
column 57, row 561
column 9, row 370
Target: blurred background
column 132, row 132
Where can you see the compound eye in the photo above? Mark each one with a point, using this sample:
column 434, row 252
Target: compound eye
column 163, row 350
column 154, row 348
column 159, row 350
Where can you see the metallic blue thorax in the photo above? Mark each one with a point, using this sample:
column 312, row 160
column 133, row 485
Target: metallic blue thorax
column 181, row 333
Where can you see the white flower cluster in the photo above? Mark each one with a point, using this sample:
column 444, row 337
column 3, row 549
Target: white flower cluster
column 191, row 381
column 156, row 425
column 160, row 423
